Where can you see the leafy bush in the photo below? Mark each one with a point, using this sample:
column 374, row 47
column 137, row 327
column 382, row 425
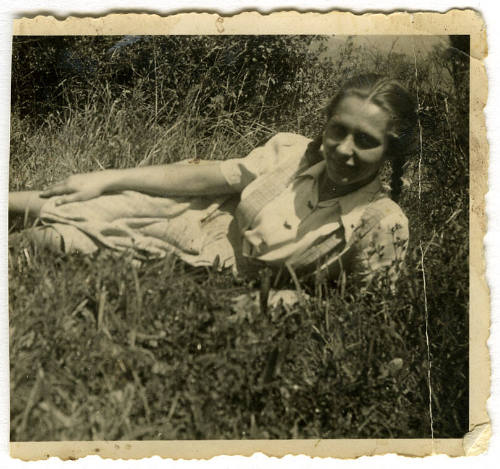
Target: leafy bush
column 245, row 77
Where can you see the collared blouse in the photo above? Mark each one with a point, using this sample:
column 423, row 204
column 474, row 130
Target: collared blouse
column 296, row 219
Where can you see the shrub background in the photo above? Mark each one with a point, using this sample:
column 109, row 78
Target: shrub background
column 101, row 350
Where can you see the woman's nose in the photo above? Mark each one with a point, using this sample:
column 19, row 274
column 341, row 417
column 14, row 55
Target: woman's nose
column 346, row 146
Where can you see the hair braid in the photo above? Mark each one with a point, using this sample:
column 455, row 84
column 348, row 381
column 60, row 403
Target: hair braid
column 397, row 163
column 313, row 155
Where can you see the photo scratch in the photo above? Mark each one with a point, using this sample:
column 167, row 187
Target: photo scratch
column 422, row 252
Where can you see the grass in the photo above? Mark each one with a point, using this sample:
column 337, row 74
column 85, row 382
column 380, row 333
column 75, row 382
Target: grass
column 104, row 349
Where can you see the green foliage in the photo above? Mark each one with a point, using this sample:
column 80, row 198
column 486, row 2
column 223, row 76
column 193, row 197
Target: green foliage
column 102, row 349
column 110, row 351
column 241, row 77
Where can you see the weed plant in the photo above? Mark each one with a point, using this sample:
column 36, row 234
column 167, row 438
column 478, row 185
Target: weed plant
column 102, row 348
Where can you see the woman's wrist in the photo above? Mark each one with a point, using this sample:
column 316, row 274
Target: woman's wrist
column 112, row 180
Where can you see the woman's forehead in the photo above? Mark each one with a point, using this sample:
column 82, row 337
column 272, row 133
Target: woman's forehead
column 361, row 114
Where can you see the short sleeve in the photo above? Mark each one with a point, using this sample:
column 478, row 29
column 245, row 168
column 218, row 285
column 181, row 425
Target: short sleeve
column 240, row 172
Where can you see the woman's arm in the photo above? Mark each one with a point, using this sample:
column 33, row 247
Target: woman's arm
column 25, row 203
column 202, row 178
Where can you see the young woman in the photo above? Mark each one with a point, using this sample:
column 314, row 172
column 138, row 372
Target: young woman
column 293, row 204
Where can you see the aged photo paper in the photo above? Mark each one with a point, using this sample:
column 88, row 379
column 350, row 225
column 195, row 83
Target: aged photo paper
column 45, row 420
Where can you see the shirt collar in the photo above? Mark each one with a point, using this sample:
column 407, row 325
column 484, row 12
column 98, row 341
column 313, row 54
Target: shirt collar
column 352, row 205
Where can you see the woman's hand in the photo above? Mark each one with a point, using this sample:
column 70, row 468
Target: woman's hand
column 77, row 188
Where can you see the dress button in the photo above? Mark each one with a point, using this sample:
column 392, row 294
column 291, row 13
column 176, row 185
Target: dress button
column 287, row 225
column 310, row 204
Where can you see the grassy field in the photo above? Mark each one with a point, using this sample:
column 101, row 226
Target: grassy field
column 105, row 349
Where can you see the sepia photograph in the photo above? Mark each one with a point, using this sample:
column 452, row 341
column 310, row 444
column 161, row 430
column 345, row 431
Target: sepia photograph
column 239, row 237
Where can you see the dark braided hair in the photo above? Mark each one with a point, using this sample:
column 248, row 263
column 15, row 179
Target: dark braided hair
column 391, row 96
column 313, row 154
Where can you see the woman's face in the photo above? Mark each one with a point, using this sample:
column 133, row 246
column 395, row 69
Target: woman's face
column 354, row 141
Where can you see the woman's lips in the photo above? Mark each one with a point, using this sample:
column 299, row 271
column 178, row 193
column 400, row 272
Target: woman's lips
column 341, row 170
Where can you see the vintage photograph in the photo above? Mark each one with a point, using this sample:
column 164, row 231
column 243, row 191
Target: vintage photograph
column 239, row 237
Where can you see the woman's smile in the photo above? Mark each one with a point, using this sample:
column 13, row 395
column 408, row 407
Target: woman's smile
column 340, row 170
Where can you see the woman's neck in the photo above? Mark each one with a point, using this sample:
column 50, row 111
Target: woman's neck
column 327, row 189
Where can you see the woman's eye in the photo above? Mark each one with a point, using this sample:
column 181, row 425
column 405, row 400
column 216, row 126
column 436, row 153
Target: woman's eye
column 337, row 131
column 365, row 141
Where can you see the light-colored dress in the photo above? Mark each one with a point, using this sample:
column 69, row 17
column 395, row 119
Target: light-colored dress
column 289, row 222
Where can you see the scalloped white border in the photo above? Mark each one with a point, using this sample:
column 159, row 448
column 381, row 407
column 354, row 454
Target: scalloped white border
column 490, row 12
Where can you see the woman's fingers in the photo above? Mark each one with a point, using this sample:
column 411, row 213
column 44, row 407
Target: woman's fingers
column 66, row 199
column 79, row 196
column 57, row 189
column 74, row 188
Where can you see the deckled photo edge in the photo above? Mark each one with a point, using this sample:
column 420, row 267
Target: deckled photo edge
column 451, row 22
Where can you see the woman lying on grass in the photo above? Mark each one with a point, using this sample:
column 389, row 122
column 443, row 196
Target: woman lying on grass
column 293, row 204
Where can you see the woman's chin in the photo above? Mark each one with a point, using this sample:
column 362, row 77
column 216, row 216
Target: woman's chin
column 339, row 179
